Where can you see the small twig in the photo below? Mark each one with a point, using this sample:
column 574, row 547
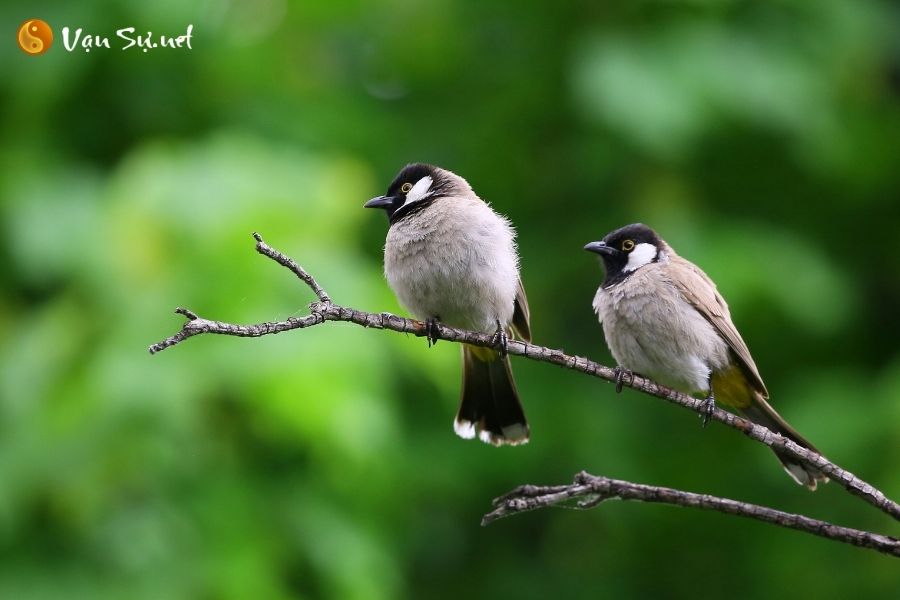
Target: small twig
column 592, row 490
column 326, row 310
column 296, row 269
column 187, row 313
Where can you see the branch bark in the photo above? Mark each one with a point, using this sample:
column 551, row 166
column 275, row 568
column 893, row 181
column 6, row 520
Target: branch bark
column 324, row 309
column 592, row 490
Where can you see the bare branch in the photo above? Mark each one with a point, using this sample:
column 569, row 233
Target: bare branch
column 592, row 490
column 325, row 310
column 296, row 269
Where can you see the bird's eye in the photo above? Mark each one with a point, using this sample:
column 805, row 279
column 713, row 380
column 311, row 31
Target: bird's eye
column 406, row 187
column 628, row 245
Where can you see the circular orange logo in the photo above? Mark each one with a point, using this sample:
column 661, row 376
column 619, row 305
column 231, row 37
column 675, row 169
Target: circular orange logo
column 35, row 36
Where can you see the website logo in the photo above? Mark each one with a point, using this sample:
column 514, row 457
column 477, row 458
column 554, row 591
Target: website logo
column 35, row 37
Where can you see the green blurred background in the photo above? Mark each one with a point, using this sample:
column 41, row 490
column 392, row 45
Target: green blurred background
column 760, row 138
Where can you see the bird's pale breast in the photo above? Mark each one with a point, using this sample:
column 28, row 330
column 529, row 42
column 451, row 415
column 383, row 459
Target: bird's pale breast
column 455, row 260
column 651, row 329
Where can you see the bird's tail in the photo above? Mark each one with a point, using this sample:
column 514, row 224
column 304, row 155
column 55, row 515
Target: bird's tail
column 490, row 406
column 759, row 411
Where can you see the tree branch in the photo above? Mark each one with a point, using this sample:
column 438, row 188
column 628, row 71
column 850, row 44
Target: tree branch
column 591, row 491
column 325, row 310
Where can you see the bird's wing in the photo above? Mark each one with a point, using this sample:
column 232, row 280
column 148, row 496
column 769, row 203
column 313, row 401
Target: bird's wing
column 521, row 322
column 700, row 291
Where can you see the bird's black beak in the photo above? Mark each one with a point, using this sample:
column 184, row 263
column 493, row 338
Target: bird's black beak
column 379, row 202
column 600, row 248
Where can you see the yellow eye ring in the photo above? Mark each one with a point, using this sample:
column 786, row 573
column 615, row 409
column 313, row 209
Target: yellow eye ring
column 628, row 245
column 406, row 187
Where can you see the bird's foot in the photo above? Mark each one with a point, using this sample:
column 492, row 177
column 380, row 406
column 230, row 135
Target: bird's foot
column 501, row 341
column 621, row 374
column 432, row 331
column 708, row 406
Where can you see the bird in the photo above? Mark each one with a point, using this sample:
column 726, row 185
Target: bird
column 663, row 318
column 451, row 259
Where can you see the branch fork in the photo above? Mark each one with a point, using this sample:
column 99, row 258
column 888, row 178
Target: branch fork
column 589, row 490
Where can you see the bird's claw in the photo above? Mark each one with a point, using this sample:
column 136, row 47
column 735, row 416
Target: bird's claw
column 500, row 340
column 621, row 373
column 707, row 408
column 432, row 331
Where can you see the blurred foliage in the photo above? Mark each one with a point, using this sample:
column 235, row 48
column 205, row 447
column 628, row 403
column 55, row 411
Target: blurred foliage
column 760, row 138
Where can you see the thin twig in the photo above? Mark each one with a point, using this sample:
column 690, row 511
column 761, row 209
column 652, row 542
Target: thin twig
column 325, row 310
column 592, row 490
column 296, row 269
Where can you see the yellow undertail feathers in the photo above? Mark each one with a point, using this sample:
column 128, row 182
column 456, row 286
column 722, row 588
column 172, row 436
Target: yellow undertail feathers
column 483, row 354
column 730, row 387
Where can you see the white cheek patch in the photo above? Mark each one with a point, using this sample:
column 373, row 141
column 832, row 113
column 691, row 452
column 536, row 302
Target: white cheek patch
column 419, row 190
column 641, row 255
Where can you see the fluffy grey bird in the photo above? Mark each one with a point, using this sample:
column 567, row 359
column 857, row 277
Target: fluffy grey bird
column 663, row 318
column 450, row 258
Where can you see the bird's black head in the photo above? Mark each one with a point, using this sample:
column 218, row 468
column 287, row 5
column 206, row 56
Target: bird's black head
column 627, row 249
column 414, row 188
